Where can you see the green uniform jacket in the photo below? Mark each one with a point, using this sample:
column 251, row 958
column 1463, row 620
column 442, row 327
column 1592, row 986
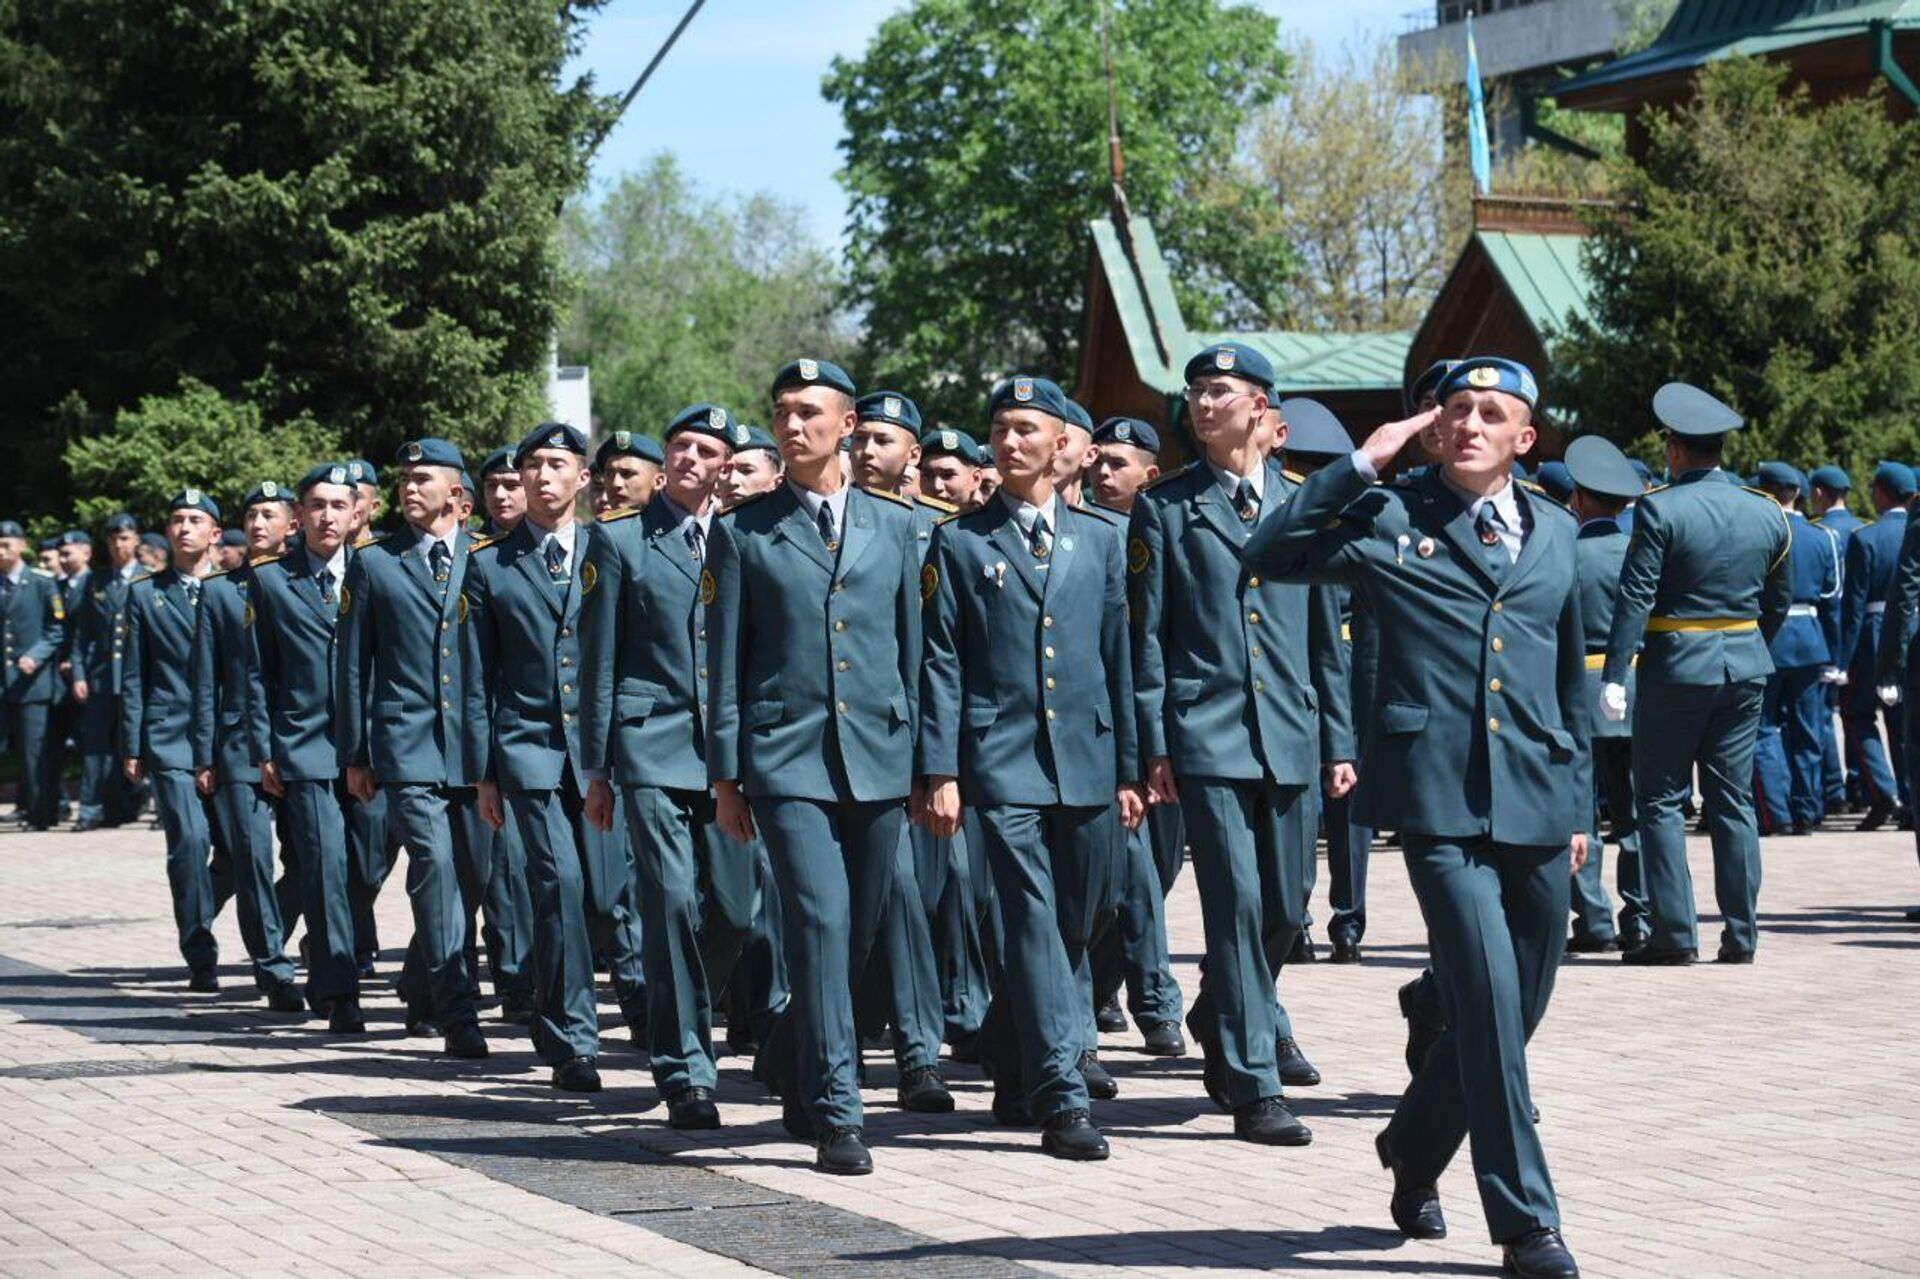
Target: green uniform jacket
column 1602, row 549
column 229, row 730
column 100, row 631
column 293, row 635
column 34, row 624
column 156, row 709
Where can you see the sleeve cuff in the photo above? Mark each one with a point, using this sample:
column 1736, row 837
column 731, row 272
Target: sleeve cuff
column 1363, row 467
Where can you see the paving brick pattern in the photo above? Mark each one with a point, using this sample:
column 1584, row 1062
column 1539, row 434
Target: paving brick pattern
column 1705, row 1121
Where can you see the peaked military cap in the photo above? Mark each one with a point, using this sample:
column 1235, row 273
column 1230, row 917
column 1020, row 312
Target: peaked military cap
column 710, row 420
column 192, row 499
column 1077, row 415
column 122, row 521
column 1128, row 430
column 1312, row 428
column 890, row 407
column 326, row 473
column 1555, row 479
column 430, row 451
column 1428, row 383
column 1598, row 466
column 267, row 491
column 550, row 435
column 1690, row 411
column 1896, row 477
column 1233, row 359
column 807, row 372
column 1023, row 391
column 628, row 444
column 1490, row 373
column 1832, row 477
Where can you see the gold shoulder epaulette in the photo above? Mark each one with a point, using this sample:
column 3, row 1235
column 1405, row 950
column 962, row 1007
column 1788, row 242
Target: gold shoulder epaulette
column 138, row 578
column 745, row 502
column 216, row 573
column 935, row 504
column 258, row 560
column 891, row 497
column 1295, row 476
column 1536, row 491
column 1171, row 476
column 37, row 571
column 1105, row 514
column 623, row 513
column 481, row 544
column 370, row 539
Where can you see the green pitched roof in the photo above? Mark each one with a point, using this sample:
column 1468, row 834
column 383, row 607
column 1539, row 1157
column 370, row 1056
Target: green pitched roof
column 1304, row 363
column 1543, row 272
column 1702, row 31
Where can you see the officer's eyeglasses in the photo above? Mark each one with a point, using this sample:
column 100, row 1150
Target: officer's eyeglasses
column 1214, row 393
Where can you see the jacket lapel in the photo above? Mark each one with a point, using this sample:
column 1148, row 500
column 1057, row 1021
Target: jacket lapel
column 661, row 520
column 1019, row 556
column 1211, row 503
column 858, row 534
column 524, row 547
column 1532, row 547
column 1458, row 528
column 1066, row 540
column 796, row 528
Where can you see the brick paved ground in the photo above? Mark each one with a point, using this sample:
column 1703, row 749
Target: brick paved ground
column 1736, row 1121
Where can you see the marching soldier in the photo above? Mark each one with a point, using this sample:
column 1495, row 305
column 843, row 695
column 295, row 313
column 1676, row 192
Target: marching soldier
column 1828, row 510
column 628, row 467
column 813, row 615
column 1896, row 671
column 228, row 728
column 401, row 726
column 523, row 598
column 644, row 671
column 33, row 614
column 1603, row 483
column 1486, row 778
column 1706, row 582
column 99, row 650
column 1804, row 650
column 1028, row 693
column 156, row 719
column 1229, row 672
column 1872, row 565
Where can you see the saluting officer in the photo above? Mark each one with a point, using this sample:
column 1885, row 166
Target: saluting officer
column 813, row 617
column 1872, row 564
column 1706, row 583
column 156, row 719
column 1028, row 693
column 1237, row 680
column 522, row 600
column 99, row 651
column 1479, row 759
column 644, row 671
column 401, row 725
column 372, row 844
column 228, row 733
column 34, row 616
column 1604, row 481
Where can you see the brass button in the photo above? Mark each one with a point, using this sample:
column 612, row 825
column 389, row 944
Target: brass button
column 1493, row 686
column 1049, row 651
column 1046, row 621
column 1497, row 645
column 443, row 626
column 840, row 624
column 844, row 665
column 565, row 632
column 567, row 716
column 1253, row 581
column 1049, row 681
column 445, row 705
column 838, row 587
column 1049, row 712
column 1493, row 724
column 1254, row 651
column 1496, row 606
column 566, row 688
column 446, row 652
column 1254, row 618
column 703, row 672
column 841, row 707
column 566, row 661
column 1259, row 686
column 446, row 679
column 703, row 632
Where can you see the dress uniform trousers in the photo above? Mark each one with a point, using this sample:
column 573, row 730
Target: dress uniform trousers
column 582, row 886
column 245, row 822
column 1675, row 725
column 436, row 966
column 196, row 899
column 1839, row 784
column 833, row 863
column 948, row 869
column 495, row 878
column 696, row 902
column 1250, row 841
column 1772, row 782
column 372, row 850
column 901, row 985
column 30, row 730
column 106, row 796
column 1348, row 846
column 1592, row 910
column 1050, row 867
column 1803, row 708
column 316, row 825
column 757, row 992
column 1133, row 950
column 1494, row 915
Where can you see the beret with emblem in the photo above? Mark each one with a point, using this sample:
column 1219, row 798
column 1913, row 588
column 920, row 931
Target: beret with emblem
column 550, row 435
column 233, row 538
column 710, row 420
column 361, row 471
column 158, row 541
column 11, row 528
column 191, row 499
column 1128, row 430
column 890, row 407
column 326, row 473
column 501, row 459
column 810, row 372
column 628, row 444
column 49, row 543
column 1313, row 429
column 1077, row 415
column 1599, row 467
column 1689, row 411
column 74, row 537
column 267, row 491
column 1428, row 383
column 1231, row 359
column 120, row 522
column 1896, row 477
column 1024, row 392
column 1832, row 477
column 1490, row 373
column 758, row 439
column 429, row 451
column 945, row 440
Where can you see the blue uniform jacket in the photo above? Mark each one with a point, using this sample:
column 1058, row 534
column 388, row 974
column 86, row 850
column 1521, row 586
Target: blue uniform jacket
column 294, row 636
column 100, row 632
column 156, row 708
column 644, row 653
column 813, row 655
column 32, row 624
column 229, row 731
column 1481, row 724
column 1599, row 553
column 1896, row 655
column 1873, row 559
column 1811, row 634
column 1027, row 687
column 1704, row 583
column 1234, row 676
column 398, row 683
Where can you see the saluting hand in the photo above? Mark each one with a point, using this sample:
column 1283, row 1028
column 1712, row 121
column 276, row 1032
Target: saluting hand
column 1386, row 441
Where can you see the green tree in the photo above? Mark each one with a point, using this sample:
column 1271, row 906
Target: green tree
column 684, row 298
column 1769, row 251
column 323, row 209
column 976, row 153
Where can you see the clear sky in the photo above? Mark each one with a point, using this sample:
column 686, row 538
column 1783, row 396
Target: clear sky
column 738, row 99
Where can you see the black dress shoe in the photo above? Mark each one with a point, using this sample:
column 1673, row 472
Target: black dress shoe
column 1803, row 828
column 286, row 999
column 1877, row 814
column 1268, row 1122
column 1733, row 955
column 1100, row 1085
column 576, row 1074
column 205, row 981
column 1010, row 1106
column 1659, row 957
column 1163, row 1040
column 86, row 824
column 1303, row 951
column 1538, row 1254
column 1580, row 945
column 466, row 1041
column 965, row 1047
column 1213, row 1069
column 344, row 1017
column 1295, row 1070
column 516, row 1011
column 843, row 1152
column 1345, row 951
column 1108, row 1018
column 922, row 1091
column 1071, row 1135
column 692, row 1110
column 797, row 1119
column 1415, row 1208
column 1421, row 1032
column 421, row 1025
column 1914, row 914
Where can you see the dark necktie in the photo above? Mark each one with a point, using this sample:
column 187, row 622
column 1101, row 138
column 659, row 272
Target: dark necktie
column 1247, row 502
column 440, row 559
column 326, row 587
column 557, row 561
column 825, row 520
column 697, row 540
column 1040, row 538
column 192, row 585
column 1487, row 526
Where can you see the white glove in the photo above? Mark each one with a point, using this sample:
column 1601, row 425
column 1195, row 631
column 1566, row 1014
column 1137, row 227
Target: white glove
column 1889, row 694
column 1832, row 675
column 1613, row 702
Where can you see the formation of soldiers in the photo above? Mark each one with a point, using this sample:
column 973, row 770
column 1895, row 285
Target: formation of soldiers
column 851, row 729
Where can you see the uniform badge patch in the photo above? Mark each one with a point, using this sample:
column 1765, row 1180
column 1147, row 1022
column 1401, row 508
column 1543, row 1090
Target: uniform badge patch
column 192, row 497
column 708, row 588
column 929, row 581
column 461, row 608
column 59, row 608
column 1023, row 389
column 809, row 369
column 717, row 419
column 269, row 489
column 1123, row 433
column 891, row 406
column 623, row 439
column 1138, row 556
column 949, row 441
column 246, row 616
column 589, row 578
column 346, row 600
column 1225, row 360
column 1483, row 377
column 337, row 475
column 414, row 453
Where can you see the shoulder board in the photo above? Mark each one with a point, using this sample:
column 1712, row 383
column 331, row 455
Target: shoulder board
column 1534, row 490
column 481, row 544
column 1103, row 514
column 40, row 572
column 138, row 578
column 1868, row 523
column 370, row 539
column 624, row 513
column 935, row 504
column 745, row 502
column 219, row 573
column 891, row 497
column 1295, row 476
column 258, row 560
column 1748, row 488
column 948, row 519
column 1658, row 488
column 1171, row 476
